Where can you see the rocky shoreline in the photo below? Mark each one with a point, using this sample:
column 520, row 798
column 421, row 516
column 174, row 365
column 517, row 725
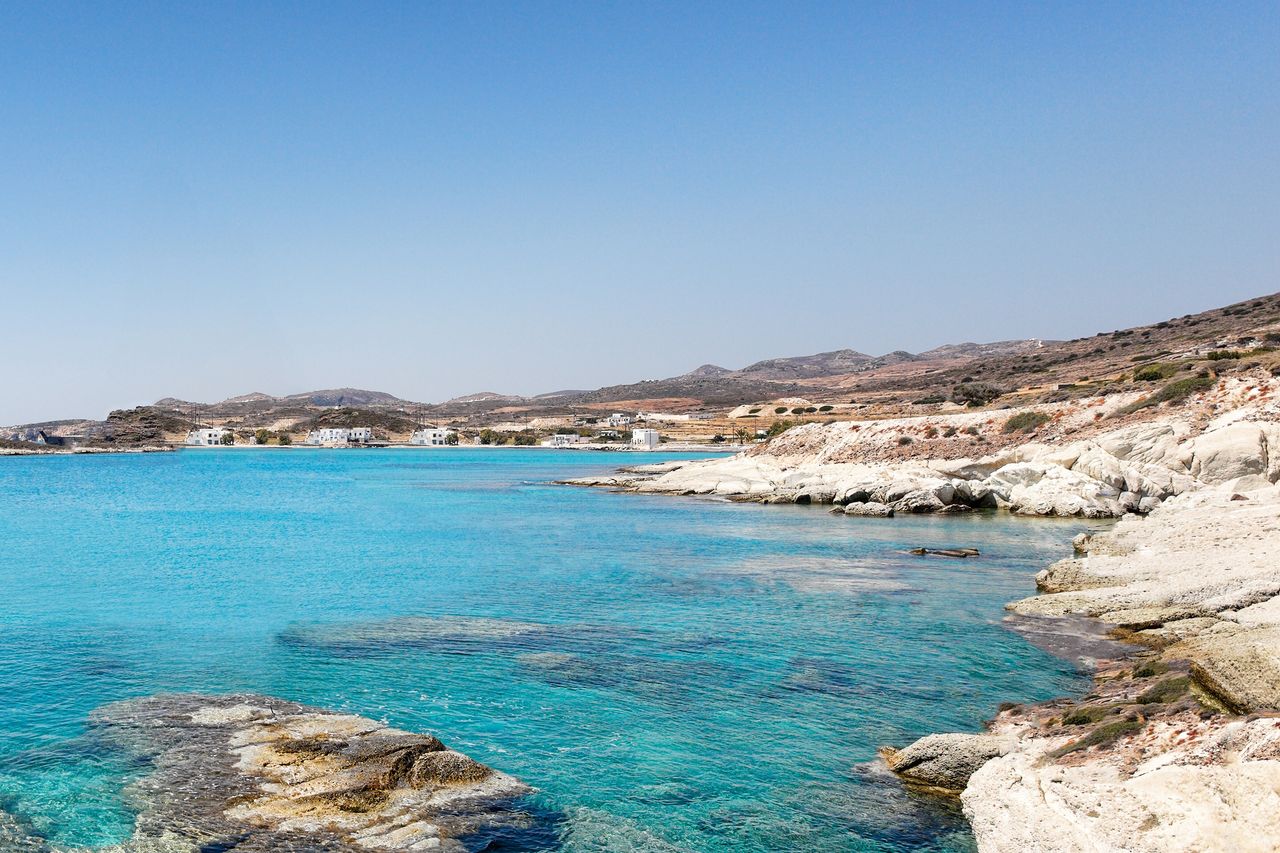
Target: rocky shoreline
column 1177, row 747
column 256, row 773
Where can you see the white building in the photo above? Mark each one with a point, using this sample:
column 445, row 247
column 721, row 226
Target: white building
column 360, row 435
column 565, row 440
column 328, row 435
column 617, row 419
column 430, row 437
column 644, row 439
column 208, row 437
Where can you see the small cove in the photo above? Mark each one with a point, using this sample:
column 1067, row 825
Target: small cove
column 670, row 673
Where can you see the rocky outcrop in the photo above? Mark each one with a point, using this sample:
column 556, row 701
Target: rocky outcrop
column 1124, row 471
column 254, row 773
column 1180, row 752
column 944, row 762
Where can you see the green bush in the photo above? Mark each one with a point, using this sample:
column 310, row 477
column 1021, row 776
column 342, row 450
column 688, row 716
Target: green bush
column 779, row 427
column 781, row 410
column 1154, row 372
column 1026, row 422
column 825, row 408
column 1225, row 355
column 975, row 394
column 904, row 440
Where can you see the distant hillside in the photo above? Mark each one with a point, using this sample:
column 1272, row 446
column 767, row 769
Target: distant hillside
column 807, row 366
column 1025, row 368
column 346, row 397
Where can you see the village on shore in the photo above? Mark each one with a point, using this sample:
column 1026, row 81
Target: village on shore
column 617, row 432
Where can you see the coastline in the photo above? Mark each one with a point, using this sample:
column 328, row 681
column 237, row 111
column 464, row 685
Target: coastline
column 1177, row 746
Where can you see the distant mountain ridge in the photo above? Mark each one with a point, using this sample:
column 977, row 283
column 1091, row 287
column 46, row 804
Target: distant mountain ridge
column 843, row 375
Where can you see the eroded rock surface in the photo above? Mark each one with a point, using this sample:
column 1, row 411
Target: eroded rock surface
column 1220, row 438
column 945, row 761
column 254, row 773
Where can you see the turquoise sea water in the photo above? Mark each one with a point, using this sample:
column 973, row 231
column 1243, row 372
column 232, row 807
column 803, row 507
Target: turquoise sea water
column 670, row 673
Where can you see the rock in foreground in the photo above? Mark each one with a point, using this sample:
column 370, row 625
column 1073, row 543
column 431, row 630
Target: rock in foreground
column 945, row 762
column 254, row 773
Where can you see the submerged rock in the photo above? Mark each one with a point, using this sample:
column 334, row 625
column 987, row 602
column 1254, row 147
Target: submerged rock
column 254, row 773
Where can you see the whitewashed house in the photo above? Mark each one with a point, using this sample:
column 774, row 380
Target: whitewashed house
column 565, row 440
column 206, row 437
column 617, row 419
column 359, row 435
column 328, row 435
column 430, row 437
column 644, row 439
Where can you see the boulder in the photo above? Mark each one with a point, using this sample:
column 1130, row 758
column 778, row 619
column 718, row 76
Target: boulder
column 869, row 509
column 921, row 500
column 1231, row 451
column 945, row 762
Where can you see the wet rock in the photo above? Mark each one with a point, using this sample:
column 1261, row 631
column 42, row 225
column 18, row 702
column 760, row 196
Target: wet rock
column 254, row 773
column 945, row 762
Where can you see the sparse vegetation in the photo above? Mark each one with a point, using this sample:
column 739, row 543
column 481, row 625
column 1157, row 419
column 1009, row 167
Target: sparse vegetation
column 779, row 427
column 1101, row 736
column 1026, row 422
column 1150, row 669
column 1084, row 716
column 1165, row 691
column 931, row 431
column 1174, row 392
column 904, row 440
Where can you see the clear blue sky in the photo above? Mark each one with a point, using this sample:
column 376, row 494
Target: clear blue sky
column 202, row 200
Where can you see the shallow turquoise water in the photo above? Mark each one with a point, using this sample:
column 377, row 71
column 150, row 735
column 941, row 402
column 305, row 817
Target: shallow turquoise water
column 671, row 673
